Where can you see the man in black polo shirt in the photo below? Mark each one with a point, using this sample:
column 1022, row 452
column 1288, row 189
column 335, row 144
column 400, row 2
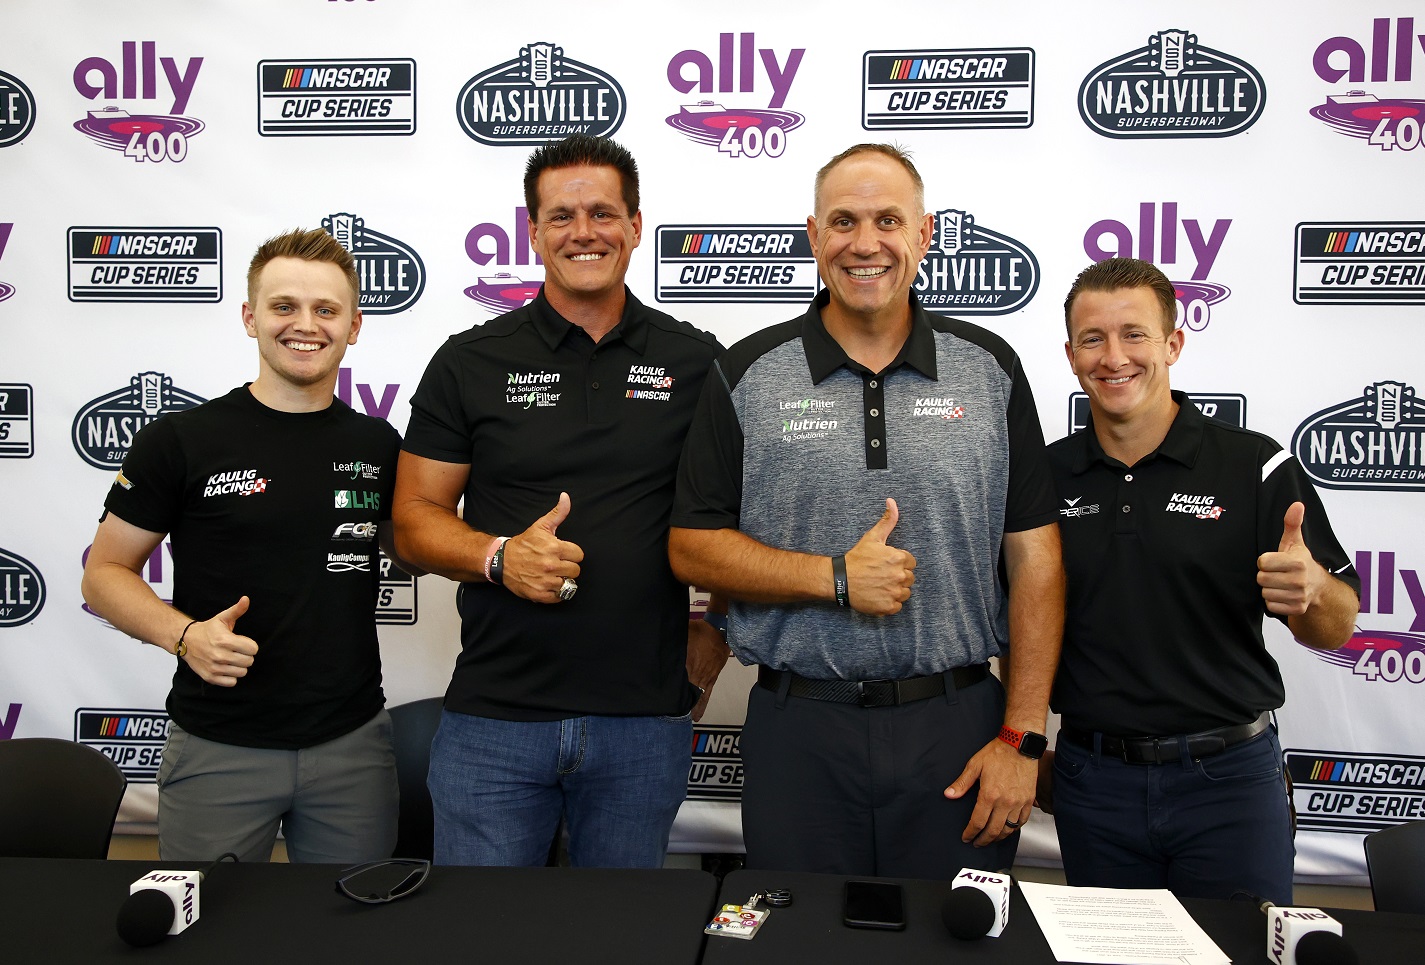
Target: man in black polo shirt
column 1179, row 531
column 873, row 635
column 560, row 424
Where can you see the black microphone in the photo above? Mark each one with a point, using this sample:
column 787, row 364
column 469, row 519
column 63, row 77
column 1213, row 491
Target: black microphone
column 1325, row 948
column 161, row 903
column 968, row 913
column 1304, row 936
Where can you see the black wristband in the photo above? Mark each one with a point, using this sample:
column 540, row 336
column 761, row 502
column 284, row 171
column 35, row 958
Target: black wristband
column 181, row 650
column 497, row 566
column 838, row 576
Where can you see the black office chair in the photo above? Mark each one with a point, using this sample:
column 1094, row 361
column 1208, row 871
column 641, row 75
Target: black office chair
column 412, row 727
column 58, row 799
column 1395, row 858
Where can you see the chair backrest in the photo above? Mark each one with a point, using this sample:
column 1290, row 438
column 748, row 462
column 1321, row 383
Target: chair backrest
column 58, row 799
column 1395, row 858
column 412, row 728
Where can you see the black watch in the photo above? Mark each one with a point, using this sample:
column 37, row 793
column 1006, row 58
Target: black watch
column 1026, row 742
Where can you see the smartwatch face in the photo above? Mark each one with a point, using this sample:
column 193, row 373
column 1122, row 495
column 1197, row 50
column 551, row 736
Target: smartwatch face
column 1033, row 745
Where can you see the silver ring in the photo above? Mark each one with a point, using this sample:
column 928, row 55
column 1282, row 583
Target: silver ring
column 567, row 589
column 1012, row 824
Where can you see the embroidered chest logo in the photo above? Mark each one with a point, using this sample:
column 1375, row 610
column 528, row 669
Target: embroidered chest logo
column 1072, row 509
column 531, row 389
column 1203, row 507
column 946, row 407
column 244, row 482
column 649, row 382
column 804, row 419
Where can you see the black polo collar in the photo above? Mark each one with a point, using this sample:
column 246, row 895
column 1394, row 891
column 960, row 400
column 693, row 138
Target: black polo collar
column 1182, row 443
column 825, row 355
column 553, row 328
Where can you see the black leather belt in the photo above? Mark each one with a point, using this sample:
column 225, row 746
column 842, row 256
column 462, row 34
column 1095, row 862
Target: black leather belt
column 871, row 693
column 1165, row 750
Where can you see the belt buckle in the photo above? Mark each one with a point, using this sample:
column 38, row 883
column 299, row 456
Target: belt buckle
column 862, row 697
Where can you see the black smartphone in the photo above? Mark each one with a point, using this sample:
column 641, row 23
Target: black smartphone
column 874, row 904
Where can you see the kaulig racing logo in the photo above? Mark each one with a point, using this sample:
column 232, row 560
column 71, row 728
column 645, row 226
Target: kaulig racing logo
column 145, row 264
column 1360, row 263
column 540, row 96
column 17, row 110
column 738, row 131
column 1174, row 87
column 503, row 291
column 105, row 428
column 973, row 270
column 391, row 273
column 914, row 90
column 1387, row 123
column 297, row 98
column 1376, row 441
column 734, row 264
column 139, row 132
column 22, row 590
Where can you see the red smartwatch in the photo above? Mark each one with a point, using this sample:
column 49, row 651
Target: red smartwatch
column 1026, row 742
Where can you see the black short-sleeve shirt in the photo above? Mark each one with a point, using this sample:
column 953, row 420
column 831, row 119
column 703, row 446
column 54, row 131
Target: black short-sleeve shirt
column 1164, row 624
column 535, row 407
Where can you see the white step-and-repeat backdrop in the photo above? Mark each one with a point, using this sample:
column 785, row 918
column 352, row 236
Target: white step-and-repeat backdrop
column 1268, row 156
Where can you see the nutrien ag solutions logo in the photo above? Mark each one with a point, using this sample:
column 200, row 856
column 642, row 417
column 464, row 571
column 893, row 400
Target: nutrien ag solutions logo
column 538, row 97
column 1360, row 263
column 1376, row 441
column 1387, row 123
column 493, row 248
column 334, row 98
column 972, row 270
column 916, row 90
column 105, row 428
column 734, row 264
column 1174, row 87
column 391, row 273
column 142, row 81
column 160, row 265
column 22, row 590
column 1228, row 407
column 1355, row 793
column 1158, row 241
column 132, row 739
column 17, row 110
column 737, row 130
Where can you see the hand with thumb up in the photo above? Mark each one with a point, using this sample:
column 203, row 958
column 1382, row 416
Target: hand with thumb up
column 215, row 651
column 879, row 576
column 537, row 562
column 1290, row 578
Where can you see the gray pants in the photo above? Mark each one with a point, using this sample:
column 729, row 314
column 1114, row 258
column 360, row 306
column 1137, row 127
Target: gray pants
column 336, row 803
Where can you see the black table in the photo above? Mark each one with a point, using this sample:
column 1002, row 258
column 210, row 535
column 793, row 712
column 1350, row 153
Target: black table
column 810, row 930
column 61, row 911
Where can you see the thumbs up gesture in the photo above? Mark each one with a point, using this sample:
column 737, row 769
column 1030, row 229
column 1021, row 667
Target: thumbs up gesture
column 214, row 649
column 537, row 561
column 1290, row 578
column 879, row 576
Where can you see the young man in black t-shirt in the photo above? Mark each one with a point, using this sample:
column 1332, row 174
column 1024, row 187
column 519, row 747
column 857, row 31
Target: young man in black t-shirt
column 273, row 496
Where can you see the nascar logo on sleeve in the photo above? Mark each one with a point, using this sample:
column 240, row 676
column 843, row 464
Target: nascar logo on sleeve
column 17, row 110
column 1360, row 263
column 538, row 97
column 734, row 263
column 1174, row 87
column 145, row 265
column 333, row 98
column 908, row 90
column 972, row 270
column 104, row 429
column 392, row 275
column 132, row 739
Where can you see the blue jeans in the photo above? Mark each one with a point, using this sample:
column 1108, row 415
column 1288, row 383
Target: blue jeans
column 499, row 788
column 1204, row 828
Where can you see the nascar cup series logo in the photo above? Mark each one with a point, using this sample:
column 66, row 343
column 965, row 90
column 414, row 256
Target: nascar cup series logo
column 1360, row 263
column 1228, row 407
column 17, row 110
column 738, row 131
column 734, row 263
column 391, row 273
column 6, row 290
column 911, row 90
column 1174, row 87
column 104, row 429
column 1376, row 441
column 396, row 596
column 1355, row 793
column 1161, row 238
column 538, row 97
column 140, row 79
column 22, row 590
column 132, row 739
column 1385, row 122
column 298, row 98
column 145, row 265
column 716, row 771
column 17, row 420
column 503, row 291
column 975, row 271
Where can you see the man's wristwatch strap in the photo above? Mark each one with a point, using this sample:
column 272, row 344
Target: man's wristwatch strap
column 1027, row 742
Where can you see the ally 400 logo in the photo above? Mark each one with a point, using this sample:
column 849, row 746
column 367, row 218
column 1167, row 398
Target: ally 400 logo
column 739, row 130
column 1386, row 656
column 1379, row 115
column 139, row 78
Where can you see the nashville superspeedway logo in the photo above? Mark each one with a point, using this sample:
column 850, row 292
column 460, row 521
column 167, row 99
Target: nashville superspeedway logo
column 391, row 274
column 1355, row 793
column 540, row 96
column 104, row 429
column 972, row 270
column 1376, row 441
